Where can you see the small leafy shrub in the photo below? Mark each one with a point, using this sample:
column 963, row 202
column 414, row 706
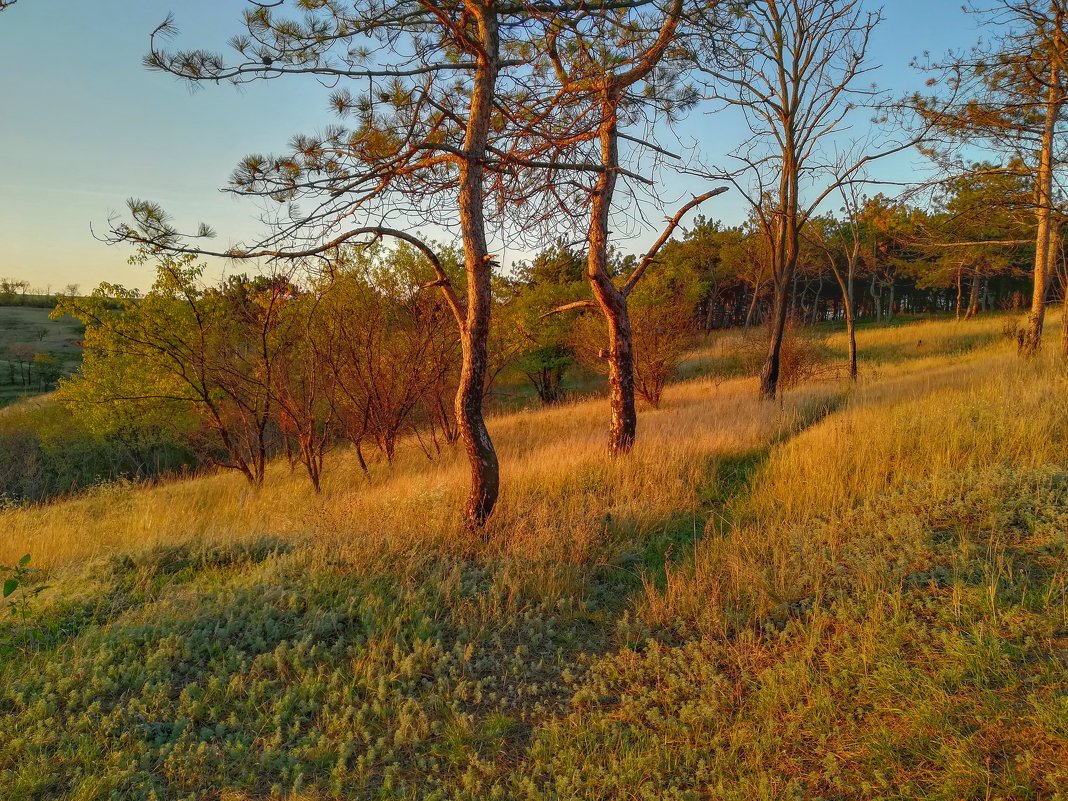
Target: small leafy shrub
column 15, row 578
column 18, row 595
column 47, row 452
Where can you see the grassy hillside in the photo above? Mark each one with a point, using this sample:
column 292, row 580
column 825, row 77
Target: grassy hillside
column 860, row 592
column 26, row 332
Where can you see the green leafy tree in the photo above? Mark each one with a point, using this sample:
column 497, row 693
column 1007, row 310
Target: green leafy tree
column 978, row 232
column 188, row 349
column 543, row 352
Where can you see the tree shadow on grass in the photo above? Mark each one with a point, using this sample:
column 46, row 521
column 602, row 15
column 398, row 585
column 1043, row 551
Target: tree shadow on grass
column 728, row 479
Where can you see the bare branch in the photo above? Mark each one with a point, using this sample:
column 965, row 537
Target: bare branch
column 673, row 223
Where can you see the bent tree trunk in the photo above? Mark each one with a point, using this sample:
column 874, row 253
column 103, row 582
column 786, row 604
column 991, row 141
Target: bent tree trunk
column 474, row 335
column 611, row 301
column 485, row 471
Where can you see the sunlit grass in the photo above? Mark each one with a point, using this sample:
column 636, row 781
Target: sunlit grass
column 559, row 487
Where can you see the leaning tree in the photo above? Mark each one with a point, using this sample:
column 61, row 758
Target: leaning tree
column 442, row 124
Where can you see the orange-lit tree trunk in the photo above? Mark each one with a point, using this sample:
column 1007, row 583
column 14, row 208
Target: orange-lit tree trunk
column 611, row 301
column 604, row 82
column 478, row 264
column 1044, row 230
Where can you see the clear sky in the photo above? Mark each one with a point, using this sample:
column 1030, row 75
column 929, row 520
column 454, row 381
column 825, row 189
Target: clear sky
column 83, row 126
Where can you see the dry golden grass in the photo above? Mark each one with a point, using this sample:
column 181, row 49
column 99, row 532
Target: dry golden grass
column 876, row 608
column 559, row 489
column 565, row 505
column 924, row 421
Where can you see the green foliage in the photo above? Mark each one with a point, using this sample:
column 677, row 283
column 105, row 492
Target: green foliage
column 931, row 642
column 662, row 315
column 12, row 584
column 280, row 678
column 49, row 449
column 922, row 643
column 35, row 351
column 130, row 380
column 539, row 343
column 543, row 353
column 18, row 593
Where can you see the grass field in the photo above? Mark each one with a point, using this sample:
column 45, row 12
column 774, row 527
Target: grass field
column 859, row 592
column 31, row 328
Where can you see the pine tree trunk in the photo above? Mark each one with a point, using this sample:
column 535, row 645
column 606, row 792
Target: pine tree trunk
column 610, row 300
column 1032, row 337
column 485, row 472
column 960, row 292
column 624, row 423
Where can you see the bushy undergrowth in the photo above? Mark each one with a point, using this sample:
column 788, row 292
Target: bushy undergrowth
column 801, row 358
column 46, row 452
column 855, row 601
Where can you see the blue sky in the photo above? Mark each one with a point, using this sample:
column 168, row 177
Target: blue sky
column 83, row 126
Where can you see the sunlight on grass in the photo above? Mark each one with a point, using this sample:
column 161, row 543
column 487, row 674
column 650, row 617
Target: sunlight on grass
column 555, row 469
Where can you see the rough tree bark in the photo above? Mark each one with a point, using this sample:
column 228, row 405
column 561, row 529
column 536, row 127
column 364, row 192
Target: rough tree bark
column 474, row 335
column 606, row 82
column 611, row 301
